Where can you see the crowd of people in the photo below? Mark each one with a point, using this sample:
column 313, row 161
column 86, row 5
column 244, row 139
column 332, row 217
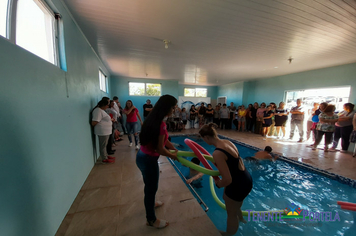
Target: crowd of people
column 266, row 120
column 271, row 120
column 262, row 119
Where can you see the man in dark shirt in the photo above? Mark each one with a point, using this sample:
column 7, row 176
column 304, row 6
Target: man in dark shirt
column 147, row 108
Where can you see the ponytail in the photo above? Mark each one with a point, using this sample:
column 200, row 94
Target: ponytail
column 208, row 130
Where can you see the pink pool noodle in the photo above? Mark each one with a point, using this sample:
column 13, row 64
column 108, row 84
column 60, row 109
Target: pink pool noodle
column 346, row 204
column 197, row 149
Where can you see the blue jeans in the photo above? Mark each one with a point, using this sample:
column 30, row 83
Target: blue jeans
column 192, row 123
column 150, row 173
column 209, row 120
column 132, row 128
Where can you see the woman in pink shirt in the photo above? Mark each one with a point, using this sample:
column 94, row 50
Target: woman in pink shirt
column 131, row 121
column 154, row 139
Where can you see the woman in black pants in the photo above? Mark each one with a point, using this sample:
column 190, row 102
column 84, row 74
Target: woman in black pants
column 154, row 140
column 343, row 128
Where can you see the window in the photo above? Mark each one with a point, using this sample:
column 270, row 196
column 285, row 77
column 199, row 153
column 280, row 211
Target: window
column 35, row 25
column 144, row 89
column 153, row 89
column 3, row 16
column 195, row 92
column 103, row 81
column 336, row 96
column 32, row 25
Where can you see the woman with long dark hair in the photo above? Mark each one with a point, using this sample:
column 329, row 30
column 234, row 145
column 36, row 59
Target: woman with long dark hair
column 131, row 122
column 154, row 139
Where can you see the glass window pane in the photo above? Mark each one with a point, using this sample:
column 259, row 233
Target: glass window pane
column 189, row 92
column 201, row 92
column 3, row 13
column 34, row 29
column 137, row 89
column 102, row 81
column 153, row 89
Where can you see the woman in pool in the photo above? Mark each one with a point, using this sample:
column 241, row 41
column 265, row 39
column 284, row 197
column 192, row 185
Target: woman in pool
column 235, row 177
column 154, row 140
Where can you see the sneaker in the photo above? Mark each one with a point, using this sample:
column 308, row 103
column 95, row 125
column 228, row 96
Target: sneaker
column 332, row 149
column 108, row 161
column 137, row 147
column 326, row 149
column 300, row 140
column 110, row 157
column 130, row 145
column 343, row 151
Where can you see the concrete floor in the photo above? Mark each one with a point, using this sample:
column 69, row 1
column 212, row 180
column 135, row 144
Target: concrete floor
column 111, row 199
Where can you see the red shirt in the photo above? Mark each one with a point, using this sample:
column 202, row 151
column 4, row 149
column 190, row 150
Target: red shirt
column 148, row 149
column 132, row 116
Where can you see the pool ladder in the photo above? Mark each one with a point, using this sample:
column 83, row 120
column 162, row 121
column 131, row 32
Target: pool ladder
column 201, row 202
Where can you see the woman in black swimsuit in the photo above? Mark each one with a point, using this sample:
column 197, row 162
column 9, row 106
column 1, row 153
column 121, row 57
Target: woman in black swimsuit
column 235, row 177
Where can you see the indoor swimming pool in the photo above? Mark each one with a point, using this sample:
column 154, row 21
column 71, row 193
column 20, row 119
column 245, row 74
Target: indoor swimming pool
column 283, row 185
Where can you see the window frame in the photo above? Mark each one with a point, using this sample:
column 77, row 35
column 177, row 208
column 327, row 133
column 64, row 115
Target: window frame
column 145, row 89
column 11, row 21
column 195, row 92
column 101, row 75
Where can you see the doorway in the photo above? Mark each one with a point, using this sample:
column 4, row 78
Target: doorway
column 337, row 96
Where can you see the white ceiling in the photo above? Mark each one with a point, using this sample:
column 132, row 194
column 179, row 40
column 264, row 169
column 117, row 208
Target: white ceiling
column 216, row 42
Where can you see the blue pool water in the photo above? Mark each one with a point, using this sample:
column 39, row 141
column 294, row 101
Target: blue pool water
column 276, row 186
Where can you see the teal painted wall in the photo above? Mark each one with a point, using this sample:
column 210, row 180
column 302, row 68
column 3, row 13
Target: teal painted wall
column 273, row 89
column 234, row 92
column 46, row 148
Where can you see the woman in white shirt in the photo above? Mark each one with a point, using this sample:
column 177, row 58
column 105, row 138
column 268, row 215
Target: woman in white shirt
column 102, row 124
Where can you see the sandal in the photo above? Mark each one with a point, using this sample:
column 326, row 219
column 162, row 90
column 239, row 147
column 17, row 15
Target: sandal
column 162, row 224
column 158, row 204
